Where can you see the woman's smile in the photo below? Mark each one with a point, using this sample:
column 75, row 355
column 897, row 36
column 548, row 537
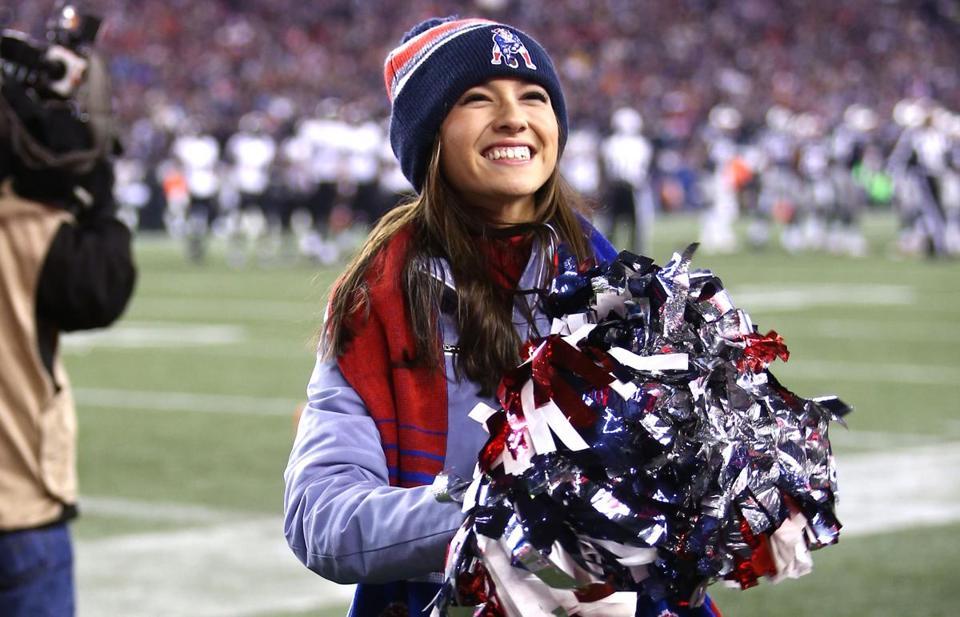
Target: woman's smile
column 509, row 153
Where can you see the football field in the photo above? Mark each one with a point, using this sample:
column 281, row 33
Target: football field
column 186, row 406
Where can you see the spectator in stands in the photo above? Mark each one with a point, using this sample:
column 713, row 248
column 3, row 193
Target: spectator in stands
column 673, row 61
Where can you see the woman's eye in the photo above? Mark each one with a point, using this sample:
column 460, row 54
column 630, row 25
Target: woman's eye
column 473, row 97
column 536, row 95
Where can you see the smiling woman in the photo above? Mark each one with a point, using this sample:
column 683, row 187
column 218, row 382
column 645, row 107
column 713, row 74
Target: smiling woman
column 433, row 310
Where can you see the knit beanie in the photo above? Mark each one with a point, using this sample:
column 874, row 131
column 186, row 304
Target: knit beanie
column 437, row 61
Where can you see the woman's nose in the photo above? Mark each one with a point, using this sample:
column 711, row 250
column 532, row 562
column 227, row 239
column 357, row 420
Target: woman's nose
column 510, row 117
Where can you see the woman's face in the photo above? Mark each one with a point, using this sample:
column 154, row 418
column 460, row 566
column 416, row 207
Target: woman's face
column 498, row 146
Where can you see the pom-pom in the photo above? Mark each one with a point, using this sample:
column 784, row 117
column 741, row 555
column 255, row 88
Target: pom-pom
column 643, row 446
column 425, row 25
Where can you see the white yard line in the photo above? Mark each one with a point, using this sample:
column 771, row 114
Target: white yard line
column 832, row 372
column 770, row 298
column 234, row 309
column 250, row 349
column 865, row 441
column 215, row 339
column 184, row 401
column 895, row 490
column 229, row 570
column 180, row 513
column 244, row 568
column 914, row 374
column 916, row 332
column 138, row 335
column 751, row 297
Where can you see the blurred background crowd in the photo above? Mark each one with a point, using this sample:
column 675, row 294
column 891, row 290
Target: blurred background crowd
column 245, row 117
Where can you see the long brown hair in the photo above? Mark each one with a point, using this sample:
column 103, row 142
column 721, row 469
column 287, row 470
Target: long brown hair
column 443, row 227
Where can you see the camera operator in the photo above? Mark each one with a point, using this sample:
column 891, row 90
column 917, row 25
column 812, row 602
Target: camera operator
column 65, row 264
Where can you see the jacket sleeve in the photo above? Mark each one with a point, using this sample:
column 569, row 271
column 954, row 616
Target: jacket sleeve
column 341, row 517
column 88, row 275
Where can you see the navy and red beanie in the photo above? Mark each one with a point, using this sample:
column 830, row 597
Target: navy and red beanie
column 437, row 61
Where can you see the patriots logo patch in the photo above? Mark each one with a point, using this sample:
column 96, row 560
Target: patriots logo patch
column 507, row 47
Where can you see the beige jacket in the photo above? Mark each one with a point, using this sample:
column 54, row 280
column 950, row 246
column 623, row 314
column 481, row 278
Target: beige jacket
column 37, row 417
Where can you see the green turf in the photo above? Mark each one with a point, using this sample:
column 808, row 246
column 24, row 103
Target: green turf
column 873, row 355
column 232, row 462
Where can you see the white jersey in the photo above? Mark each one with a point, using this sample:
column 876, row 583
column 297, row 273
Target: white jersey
column 328, row 139
column 295, row 151
column 392, row 179
column 932, row 147
column 815, row 166
column 777, row 147
column 925, row 145
column 199, row 155
column 130, row 188
column 363, row 153
column 626, row 158
column 581, row 162
column 252, row 156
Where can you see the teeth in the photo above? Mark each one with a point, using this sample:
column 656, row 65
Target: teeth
column 516, row 152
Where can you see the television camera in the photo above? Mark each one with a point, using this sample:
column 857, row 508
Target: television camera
column 56, row 125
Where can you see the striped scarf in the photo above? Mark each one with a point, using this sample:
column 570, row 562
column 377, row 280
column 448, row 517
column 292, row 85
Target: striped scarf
column 408, row 404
